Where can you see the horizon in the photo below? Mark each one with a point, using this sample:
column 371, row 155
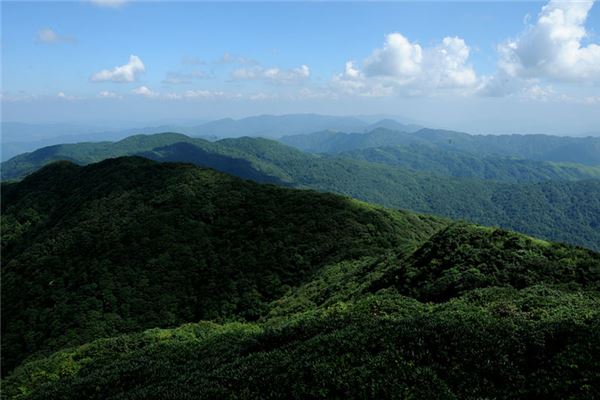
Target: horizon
column 482, row 68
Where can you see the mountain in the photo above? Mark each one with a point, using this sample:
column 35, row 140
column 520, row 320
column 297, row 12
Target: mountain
column 273, row 126
column 84, row 153
column 393, row 125
column 193, row 243
column 555, row 210
column 339, row 142
column 584, row 150
column 18, row 138
column 268, row 292
column 425, row 157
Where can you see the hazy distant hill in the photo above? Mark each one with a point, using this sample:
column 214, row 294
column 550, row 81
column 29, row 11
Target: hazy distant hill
column 18, row 138
column 274, row 126
column 302, row 294
column 534, row 147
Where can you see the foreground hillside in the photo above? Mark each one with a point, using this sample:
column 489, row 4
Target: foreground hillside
column 129, row 244
column 555, row 202
column 310, row 295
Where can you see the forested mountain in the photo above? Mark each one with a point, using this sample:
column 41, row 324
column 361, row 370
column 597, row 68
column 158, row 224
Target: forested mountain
column 580, row 150
column 309, row 295
column 180, row 231
column 559, row 210
column 424, row 157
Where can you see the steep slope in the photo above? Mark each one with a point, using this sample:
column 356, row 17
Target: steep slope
column 529, row 331
column 128, row 244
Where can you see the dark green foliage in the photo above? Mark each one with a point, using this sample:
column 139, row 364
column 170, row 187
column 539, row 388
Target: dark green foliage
column 463, row 257
column 493, row 343
column 128, row 244
column 311, row 295
column 84, row 153
column 555, row 210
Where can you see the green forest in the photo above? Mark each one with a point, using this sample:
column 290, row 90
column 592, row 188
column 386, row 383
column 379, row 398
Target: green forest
column 129, row 279
column 554, row 201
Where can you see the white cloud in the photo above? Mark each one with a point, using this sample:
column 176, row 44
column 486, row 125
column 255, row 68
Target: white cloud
column 552, row 48
column 447, row 64
column 201, row 94
column 275, row 75
column 176, row 78
column 145, row 91
column 398, row 59
column 19, row 96
column 401, row 66
column 229, row 58
column 260, row 96
column 105, row 94
column 109, row 3
column 123, row 73
column 63, row 96
column 48, row 35
column 539, row 93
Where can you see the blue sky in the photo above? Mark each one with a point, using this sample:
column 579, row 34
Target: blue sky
column 489, row 67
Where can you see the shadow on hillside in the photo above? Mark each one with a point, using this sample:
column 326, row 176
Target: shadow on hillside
column 186, row 152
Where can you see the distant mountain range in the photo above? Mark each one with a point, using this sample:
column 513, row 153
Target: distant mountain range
column 549, row 200
column 583, row 150
column 19, row 137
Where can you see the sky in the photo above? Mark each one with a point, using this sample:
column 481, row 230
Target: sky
column 481, row 67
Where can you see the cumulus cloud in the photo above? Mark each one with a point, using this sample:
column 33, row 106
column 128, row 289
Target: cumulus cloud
column 403, row 66
column 145, row 91
column 275, row 75
column 123, row 73
column 48, row 35
column 553, row 47
column 109, row 3
column 398, row 58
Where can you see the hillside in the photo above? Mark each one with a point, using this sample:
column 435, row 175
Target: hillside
column 464, row 164
column 129, row 244
column 556, row 210
column 582, row 150
column 311, row 295
column 564, row 211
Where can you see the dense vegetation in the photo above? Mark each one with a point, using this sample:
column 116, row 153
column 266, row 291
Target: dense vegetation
column 463, row 164
column 310, row 295
column 582, row 150
column 129, row 244
column 562, row 210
